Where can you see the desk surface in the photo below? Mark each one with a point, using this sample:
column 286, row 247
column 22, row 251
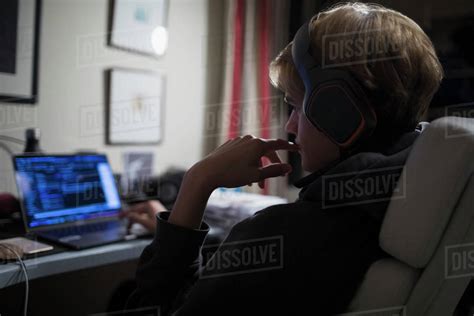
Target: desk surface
column 68, row 261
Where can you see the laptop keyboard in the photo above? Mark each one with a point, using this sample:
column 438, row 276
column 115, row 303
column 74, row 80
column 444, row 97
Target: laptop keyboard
column 84, row 229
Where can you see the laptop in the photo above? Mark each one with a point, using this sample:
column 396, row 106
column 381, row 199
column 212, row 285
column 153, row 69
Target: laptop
column 72, row 200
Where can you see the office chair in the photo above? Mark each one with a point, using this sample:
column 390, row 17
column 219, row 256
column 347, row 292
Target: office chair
column 422, row 229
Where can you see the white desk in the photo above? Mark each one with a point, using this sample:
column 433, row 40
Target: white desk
column 72, row 260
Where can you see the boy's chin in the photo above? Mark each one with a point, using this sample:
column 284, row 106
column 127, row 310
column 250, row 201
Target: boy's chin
column 309, row 166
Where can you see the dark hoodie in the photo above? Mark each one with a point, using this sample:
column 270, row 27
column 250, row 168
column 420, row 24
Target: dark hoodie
column 306, row 257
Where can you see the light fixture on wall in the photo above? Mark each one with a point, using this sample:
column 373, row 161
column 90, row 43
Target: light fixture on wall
column 139, row 26
column 159, row 40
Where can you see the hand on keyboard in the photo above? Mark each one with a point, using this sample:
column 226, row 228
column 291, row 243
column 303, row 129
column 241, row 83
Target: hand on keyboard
column 144, row 214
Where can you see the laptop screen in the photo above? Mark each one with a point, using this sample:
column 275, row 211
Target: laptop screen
column 59, row 189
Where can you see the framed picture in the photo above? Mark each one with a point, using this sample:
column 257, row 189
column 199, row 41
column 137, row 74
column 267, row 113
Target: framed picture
column 135, row 99
column 19, row 50
column 137, row 171
column 139, row 26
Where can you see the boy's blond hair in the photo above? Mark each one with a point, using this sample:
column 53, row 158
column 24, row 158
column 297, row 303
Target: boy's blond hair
column 387, row 52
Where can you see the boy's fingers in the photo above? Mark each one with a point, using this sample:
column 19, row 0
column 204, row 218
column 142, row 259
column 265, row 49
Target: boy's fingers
column 136, row 208
column 140, row 219
column 274, row 170
column 261, row 183
column 273, row 157
column 148, row 207
column 279, row 144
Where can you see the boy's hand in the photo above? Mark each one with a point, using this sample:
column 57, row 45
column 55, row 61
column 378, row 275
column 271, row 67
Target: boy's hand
column 238, row 162
column 144, row 213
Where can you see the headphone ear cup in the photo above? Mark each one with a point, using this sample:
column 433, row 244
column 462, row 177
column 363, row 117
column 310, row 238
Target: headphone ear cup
column 337, row 105
column 334, row 102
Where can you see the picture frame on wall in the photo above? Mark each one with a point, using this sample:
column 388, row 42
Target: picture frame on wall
column 19, row 50
column 139, row 26
column 135, row 101
column 137, row 171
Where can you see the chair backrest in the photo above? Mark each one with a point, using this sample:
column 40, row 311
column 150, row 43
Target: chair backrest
column 428, row 229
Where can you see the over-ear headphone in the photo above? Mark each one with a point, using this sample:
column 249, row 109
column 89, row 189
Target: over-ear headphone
column 334, row 102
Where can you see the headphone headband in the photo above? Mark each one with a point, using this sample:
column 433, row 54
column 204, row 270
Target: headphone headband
column 334, row 102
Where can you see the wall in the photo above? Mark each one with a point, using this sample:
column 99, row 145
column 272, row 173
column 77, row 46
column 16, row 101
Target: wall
column 71, row 83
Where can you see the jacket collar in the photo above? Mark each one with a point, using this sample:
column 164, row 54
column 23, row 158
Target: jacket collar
column 391, row 157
